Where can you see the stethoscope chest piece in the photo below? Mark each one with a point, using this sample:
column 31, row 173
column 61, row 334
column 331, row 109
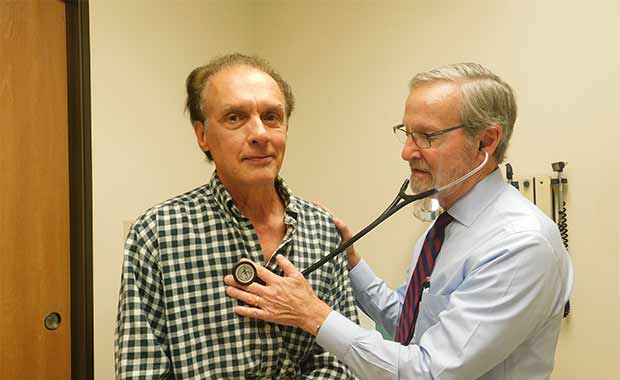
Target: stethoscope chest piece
column 245, row 273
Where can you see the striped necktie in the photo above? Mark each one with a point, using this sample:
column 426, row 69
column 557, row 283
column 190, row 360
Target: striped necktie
column 421, row 274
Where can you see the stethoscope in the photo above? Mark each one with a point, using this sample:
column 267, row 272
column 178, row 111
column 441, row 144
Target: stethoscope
column 245, row 272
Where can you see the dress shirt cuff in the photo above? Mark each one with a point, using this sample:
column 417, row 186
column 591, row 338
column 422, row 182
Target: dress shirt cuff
column 337, row 334
column 361, row 276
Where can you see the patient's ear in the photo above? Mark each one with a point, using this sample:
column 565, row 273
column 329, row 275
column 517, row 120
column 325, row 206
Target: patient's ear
column 201, row 135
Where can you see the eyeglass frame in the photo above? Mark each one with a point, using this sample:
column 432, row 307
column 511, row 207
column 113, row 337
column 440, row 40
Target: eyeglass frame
column 428, row 136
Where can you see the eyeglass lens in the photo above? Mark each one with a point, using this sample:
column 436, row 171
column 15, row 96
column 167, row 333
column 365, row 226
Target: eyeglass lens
column 419, row 139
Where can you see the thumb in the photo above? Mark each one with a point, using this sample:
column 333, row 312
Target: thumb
column 342, row 227
column 288, row 267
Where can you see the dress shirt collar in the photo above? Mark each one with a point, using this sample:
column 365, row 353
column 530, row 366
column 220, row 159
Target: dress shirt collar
column 467, row 209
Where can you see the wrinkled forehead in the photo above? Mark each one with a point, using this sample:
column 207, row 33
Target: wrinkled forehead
column 433, row 104
column 435, row 93
column 242, row 84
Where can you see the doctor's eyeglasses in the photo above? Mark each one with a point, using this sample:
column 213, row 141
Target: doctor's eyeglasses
column 422, row 140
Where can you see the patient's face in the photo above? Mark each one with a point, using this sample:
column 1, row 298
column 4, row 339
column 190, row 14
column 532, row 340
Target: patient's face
column 246, row 126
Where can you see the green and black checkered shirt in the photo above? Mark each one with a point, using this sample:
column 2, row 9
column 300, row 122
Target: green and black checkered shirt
column 174, row 318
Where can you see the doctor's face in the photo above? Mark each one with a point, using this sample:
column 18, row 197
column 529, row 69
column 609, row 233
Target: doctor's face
column 431, row 107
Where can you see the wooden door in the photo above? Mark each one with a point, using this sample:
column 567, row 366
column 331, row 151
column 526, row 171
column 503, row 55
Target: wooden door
column 34, row 191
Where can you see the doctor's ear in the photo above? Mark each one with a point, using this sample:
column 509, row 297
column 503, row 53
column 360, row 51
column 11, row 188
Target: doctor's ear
column 490, row 139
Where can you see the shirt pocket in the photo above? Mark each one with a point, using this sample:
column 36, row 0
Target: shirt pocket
column 430, row 307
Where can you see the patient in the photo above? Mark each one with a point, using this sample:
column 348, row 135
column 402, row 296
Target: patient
column 174, row 318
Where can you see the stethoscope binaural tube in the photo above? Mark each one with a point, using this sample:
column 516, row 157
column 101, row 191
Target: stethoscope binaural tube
column 245, row 273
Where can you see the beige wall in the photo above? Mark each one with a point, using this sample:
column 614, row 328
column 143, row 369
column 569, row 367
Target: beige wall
column 349, row 63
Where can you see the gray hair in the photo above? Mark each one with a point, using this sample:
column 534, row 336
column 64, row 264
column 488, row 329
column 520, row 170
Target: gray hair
column 196, row 83
column 486, row 99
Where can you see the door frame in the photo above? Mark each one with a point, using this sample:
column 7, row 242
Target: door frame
column 80, row 188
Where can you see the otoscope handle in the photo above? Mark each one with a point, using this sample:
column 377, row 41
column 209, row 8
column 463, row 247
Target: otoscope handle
column 404, row 200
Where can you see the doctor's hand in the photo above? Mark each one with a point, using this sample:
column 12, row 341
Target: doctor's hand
column 287, row 300
column 353, row 257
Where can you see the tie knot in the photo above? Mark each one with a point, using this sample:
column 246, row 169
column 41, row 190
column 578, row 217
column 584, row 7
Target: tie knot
column 443, row 220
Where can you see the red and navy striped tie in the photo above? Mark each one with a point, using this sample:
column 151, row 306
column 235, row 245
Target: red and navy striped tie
column 421, row 274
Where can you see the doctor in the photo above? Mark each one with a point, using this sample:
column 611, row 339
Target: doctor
column 485, row 292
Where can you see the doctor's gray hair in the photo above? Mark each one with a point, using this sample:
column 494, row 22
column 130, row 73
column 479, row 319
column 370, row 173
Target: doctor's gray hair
column 486, row 99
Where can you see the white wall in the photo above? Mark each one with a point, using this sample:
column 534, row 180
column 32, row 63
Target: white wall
column 349, row 63
column 143, row 145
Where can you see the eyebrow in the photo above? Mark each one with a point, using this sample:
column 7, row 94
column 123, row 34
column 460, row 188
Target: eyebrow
column 424, row 129
column 232, row 107
column 276, row 107
column 272, row 106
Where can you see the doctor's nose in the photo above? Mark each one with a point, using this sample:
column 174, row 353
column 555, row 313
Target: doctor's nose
column 410, row 150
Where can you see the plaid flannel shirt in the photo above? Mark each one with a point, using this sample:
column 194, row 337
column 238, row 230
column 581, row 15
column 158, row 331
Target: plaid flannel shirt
column 174, row 318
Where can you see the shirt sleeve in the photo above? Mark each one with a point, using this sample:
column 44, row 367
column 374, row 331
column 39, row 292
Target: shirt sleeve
column 375, row 298
column 508, row 293
column 322, row 364
column 140, row 344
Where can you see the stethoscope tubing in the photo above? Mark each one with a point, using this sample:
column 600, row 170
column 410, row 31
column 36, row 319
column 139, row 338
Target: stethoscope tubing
column 402, row 199
column 399, row 202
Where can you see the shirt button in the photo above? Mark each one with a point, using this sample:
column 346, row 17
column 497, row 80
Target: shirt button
column 267, row 329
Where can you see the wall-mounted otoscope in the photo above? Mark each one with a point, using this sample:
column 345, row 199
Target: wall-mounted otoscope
column 558, row 188
column 245, row 273
column 558, row 203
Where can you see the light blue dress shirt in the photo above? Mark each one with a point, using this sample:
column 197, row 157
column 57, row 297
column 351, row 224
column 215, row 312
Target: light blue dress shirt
column 494, row 306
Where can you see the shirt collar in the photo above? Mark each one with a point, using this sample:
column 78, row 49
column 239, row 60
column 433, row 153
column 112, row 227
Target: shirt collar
column 467, row 209
column 223, row 198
